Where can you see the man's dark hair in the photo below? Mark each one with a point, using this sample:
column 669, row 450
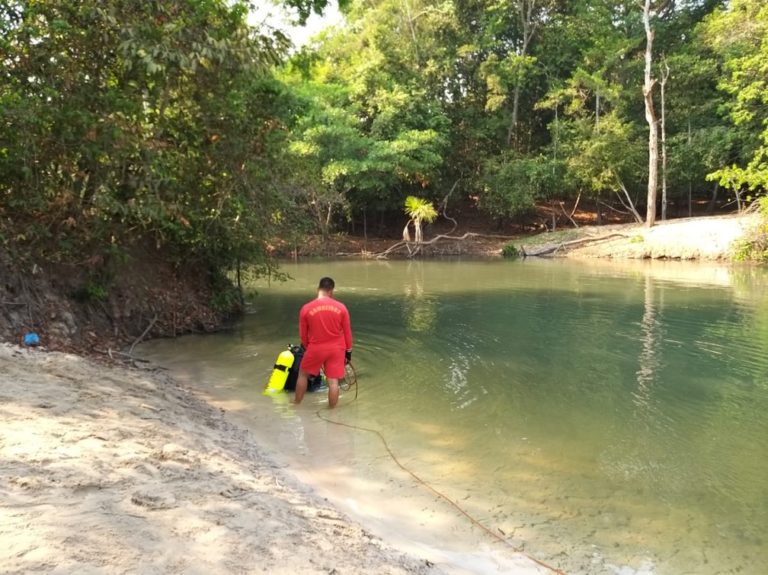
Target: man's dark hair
column 326, row 284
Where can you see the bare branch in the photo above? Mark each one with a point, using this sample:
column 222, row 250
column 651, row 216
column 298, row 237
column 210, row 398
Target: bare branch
column 444, row 207
column 141, row 337
column 569, row 216
column 630, row 205
column 441, row 237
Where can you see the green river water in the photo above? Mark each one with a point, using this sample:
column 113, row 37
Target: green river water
column 606, row 418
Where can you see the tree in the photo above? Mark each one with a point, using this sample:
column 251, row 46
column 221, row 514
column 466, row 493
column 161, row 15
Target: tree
column 737, row 33
column 603, row 159
column 698, row 138
column 305, row 8
column 664, row 162
column 513, row 183
column 140, row 120
column 418, row 210
column 650, row 116
column 373, row 127
column 531, row 14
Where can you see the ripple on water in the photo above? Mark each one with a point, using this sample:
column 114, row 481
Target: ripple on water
column 600, row 413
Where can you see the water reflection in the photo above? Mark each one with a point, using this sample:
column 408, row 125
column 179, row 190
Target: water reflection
column 611, row 414
column 648, row 361
column 651, row 337
column 420, row 309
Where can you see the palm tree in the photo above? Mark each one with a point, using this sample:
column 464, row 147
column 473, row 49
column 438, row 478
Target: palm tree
column 418, row 210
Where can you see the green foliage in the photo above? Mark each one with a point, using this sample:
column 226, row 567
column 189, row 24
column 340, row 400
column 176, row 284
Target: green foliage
column 127, row 120
column 91, row 292
column 225, row 299
column 502, row 75
column 511, row 251
column 737, row 33
column 420, row 210
column 513, row 184
column 755, row 248
column 305, row 8
column 357, row 156
column 600, row 157
column 171, row 123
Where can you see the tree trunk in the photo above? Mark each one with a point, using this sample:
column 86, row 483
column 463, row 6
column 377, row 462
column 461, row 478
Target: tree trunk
column 599, row 209
column 650, row 116
column 554, row 215
column 327, row 223
column 663, row 83
column 527, row 11
column 713, row 199
column 690, row 199
column 556, row 137
column 512, row 130
column 408, row 15
column 597, row 110
column 629, row 204
column 690, row 182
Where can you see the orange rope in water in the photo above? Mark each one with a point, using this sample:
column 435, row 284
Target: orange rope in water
column 442, row 496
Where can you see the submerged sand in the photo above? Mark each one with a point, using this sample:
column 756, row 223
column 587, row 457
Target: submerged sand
column 111, row 470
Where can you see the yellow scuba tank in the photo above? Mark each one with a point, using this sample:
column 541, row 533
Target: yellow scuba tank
column 280, row 372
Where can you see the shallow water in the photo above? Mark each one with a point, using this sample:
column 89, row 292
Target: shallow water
column 607, row 418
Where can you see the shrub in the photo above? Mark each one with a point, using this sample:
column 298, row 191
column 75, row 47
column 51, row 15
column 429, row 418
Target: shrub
column 511, row 251
column 755, row 247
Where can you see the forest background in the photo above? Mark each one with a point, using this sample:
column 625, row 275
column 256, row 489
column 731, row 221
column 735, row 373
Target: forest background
column 179, row 133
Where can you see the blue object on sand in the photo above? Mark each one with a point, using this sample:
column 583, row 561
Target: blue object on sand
column 31, row 339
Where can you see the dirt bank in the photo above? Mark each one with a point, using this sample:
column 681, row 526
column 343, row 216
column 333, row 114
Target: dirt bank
column 709, row 238
column 77, row 308
column 93, row 306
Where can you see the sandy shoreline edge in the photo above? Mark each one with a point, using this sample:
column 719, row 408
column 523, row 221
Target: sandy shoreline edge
column 108, row 469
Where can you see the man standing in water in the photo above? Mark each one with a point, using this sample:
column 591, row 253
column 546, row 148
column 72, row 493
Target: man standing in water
column 326, row 334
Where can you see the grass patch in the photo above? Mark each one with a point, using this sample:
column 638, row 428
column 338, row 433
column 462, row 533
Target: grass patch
column 552, row 238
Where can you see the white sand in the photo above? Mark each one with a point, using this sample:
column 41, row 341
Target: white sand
column 110, row 470
column 705, row 239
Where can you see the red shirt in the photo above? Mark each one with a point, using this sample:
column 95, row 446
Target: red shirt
column 325, row 321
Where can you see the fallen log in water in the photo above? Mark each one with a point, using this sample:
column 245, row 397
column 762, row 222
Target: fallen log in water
column 550, row 249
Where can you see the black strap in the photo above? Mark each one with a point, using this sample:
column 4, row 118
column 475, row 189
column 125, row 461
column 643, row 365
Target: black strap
column 281, row 367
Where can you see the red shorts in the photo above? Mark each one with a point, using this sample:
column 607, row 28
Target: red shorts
column 331, row 359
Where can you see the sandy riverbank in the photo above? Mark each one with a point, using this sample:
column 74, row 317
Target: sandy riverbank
column 110, row 470
column 703, row 239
